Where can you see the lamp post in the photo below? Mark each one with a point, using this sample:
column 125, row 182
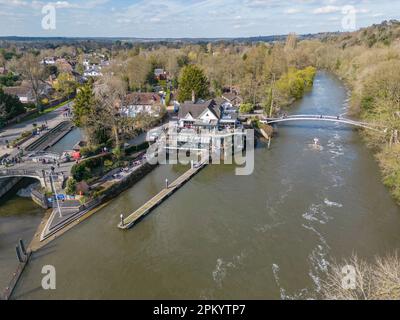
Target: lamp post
column 55, row 192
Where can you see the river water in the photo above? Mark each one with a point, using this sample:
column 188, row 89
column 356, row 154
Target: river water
column 270, row 235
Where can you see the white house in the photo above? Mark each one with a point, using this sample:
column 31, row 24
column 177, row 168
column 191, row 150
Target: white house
column 92, row 72
column 136, row 103
column 49, row 61
column 211, row 113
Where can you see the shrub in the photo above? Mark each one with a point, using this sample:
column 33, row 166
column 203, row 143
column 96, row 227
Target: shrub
column 71, row 186
column 378, row 280
column 246, row 108
column 132, row 149
column 108, row 163
column 86, row 168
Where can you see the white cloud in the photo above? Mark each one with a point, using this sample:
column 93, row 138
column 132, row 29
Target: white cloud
column 327, row 9
column 293, row 10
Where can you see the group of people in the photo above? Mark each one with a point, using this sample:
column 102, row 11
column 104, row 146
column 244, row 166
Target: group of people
column 11, row 161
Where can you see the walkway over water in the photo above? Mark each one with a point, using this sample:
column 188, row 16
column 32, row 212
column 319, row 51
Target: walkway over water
column 325, row 118
column 130, row 221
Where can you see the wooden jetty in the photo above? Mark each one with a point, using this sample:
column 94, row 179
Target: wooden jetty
column 132, row 219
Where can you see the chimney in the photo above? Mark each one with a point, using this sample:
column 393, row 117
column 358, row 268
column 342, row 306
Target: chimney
column 193, row 97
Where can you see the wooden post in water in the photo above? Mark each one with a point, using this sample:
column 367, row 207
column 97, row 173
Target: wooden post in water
column 22, row 246
column 19, row 256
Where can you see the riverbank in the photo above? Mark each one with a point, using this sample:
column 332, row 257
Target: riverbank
column 54, row 226
column 386, row 147
column 372, row 73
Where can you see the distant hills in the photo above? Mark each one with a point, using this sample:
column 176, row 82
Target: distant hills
column 384, row 32
column 272, row 38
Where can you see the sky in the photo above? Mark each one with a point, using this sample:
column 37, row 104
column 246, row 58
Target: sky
column 189, row 18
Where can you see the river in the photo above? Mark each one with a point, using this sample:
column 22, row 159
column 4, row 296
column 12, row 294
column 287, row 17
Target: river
column 269, row 235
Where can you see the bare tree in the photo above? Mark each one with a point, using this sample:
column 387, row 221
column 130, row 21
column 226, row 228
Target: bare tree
column 110, row 92
column 33, row 71
column 372, row 281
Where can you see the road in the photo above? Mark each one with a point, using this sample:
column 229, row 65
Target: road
column 14, row 131
column 34, row 166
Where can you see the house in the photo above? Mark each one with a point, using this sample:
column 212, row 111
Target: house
column 86, row 63
column 93, row 72
column 142, row 103
column 104, row 63
column 64, row 66
column 208, row 114
column 25, row 92
column 233, row 98
column 49, row 61
column 160, row 74
column 200, row 113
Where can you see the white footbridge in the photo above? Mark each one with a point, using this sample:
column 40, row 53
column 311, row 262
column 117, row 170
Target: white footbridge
column 324, row 118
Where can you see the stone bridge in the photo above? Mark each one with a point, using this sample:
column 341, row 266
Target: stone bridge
column 47, row 178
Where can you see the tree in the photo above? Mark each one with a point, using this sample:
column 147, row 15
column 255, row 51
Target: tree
column 192, row 79
column 2, row 60
column 137, row 70
column 84, row 108
column 110, row 92
column 10, row 107
column 65, row 84
column 33, row 71
column 83, row 105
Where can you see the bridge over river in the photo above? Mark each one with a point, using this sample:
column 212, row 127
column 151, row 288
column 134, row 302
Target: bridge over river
column 41, row 172
column 323, row 118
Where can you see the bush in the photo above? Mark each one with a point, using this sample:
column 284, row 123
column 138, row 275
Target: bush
column 246, row 108
column 108, row 163
column 133, row 149
column 378, row 280
column 90, row 151
column 86, row 169
column 71, row 186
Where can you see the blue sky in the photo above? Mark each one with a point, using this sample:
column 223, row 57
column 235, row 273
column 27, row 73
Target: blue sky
column 188, row 18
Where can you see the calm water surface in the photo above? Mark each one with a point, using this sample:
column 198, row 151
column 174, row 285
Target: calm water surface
column 269, row 235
